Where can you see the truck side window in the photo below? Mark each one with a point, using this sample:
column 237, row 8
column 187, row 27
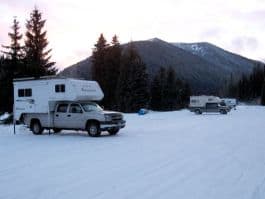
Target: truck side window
column 62, row 108
column 75, row 108
column 59, row 88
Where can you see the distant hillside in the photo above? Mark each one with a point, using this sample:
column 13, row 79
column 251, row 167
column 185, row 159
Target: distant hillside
column 204, row 66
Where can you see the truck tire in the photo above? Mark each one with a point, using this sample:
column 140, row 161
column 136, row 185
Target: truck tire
column 36, row 127
column 222, row 111
column 113, row 131
column 198, row 112
column 56, row 130
column 93, row 129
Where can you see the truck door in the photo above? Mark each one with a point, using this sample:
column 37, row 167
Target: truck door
column 212, row 107
column 77, row 120
column 60, row 116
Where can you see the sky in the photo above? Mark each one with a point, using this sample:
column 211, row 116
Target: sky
column 73, row 26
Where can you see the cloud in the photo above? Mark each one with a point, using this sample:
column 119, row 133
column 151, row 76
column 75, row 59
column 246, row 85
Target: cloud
column 245, row 43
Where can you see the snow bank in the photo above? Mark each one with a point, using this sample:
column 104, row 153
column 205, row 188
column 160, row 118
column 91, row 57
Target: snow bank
column 158, row 155
column 4, row 116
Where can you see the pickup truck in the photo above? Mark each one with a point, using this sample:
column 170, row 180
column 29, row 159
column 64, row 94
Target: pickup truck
column 211, row 108
column 87, row 116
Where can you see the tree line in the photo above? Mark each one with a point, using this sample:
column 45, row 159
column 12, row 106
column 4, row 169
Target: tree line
column 26, row 56
column 126, row 84
column 119, row 70
column 248, row 87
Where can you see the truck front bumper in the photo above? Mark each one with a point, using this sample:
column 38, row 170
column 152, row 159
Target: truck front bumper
column 112, row 124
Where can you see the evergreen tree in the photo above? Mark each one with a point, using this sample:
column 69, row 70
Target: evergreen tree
column 263, row 89
column 98, row 59
column 14, row 51
column 11, row 66
column 37, row 58
column 168, row 92
column 171, row 90
column 133, row 88
column 112, row 72
column 99, row 72
column 156, row 93
column 263, row 94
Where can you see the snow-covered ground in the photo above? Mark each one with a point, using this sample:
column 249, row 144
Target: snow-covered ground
column 158, row 155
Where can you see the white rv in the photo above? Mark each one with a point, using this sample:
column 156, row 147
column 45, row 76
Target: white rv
column 63, row 103
column 203, row 103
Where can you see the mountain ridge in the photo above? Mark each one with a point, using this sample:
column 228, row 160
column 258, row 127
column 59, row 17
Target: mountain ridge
column 203, row 65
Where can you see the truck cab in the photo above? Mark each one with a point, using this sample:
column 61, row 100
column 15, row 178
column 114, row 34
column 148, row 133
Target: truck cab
column 87, row 116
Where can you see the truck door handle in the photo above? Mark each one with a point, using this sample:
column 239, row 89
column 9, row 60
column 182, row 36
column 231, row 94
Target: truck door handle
column 57, row 115
column 68, row 115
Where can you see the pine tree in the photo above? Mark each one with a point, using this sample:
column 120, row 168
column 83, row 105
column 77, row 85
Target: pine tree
column 156, row 94
column 11, row 66
column 171, row 89
column 37, row 57
column 112, row 72
column 263, row 89
column 14, row 52
column 133, row 88
column 263, row 94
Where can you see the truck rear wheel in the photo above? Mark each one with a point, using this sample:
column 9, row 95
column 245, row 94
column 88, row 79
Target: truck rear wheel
column 93, row 129
column 222, row 111
column 113, row 131
column 36, row 127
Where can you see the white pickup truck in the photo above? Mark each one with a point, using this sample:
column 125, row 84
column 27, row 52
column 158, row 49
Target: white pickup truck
column 76, row 116
column 62, row 103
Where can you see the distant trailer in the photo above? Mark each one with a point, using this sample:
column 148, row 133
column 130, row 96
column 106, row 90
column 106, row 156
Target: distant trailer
column 204, row 103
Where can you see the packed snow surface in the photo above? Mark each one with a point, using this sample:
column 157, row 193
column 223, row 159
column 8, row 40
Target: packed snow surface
column 159, row 155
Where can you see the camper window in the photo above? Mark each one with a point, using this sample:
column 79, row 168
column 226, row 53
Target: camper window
column 62, row 108
column 25, row 92
column 194, row 101
column 59, row 88
column 20, row 92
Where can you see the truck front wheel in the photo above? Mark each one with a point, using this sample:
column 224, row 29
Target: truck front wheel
column 113, row 131
column 198, row 111
column 93, row 129
column 36, row 127
column 56, row 130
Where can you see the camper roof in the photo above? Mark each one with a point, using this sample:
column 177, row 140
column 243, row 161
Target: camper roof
column 42, row 78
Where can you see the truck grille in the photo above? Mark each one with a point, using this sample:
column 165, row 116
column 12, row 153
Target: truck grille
column 116, row 117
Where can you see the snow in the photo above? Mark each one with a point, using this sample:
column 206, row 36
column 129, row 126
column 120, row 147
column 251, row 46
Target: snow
column 4, row 116
column 197, row 48
column 158, row 155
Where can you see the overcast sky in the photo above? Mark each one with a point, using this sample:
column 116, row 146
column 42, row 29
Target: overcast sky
column 74, row 25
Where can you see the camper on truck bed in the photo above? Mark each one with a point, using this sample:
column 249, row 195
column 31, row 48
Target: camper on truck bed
column 210, row 104
column 63, row 103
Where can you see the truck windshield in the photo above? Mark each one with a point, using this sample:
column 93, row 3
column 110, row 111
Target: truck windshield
column 91, row 107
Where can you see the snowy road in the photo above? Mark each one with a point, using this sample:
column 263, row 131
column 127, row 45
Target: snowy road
column 159, row 155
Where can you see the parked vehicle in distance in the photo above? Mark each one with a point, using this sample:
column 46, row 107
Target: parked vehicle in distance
column 63, row 103
column 231, row 102
column 209, row 104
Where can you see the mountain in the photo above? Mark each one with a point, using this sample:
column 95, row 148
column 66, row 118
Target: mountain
column 203, row 65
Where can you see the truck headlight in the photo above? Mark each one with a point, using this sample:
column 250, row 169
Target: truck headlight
column 107, row 117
